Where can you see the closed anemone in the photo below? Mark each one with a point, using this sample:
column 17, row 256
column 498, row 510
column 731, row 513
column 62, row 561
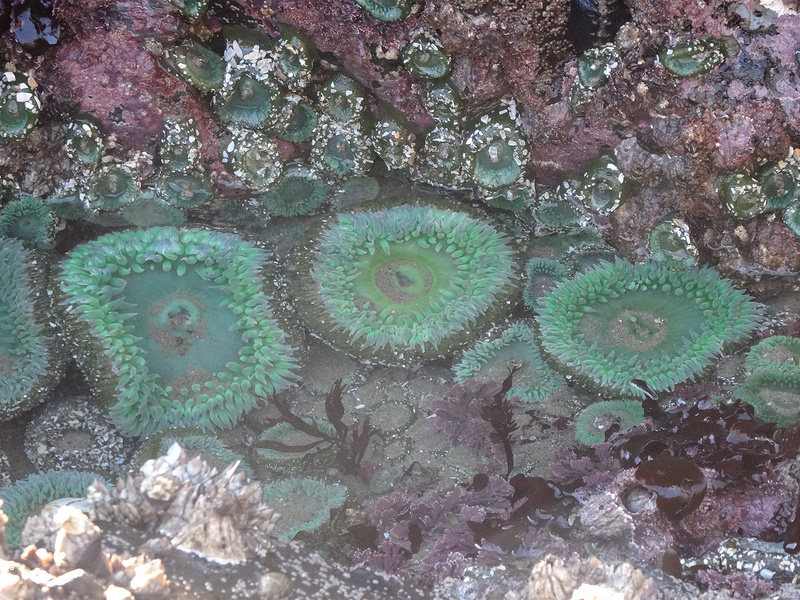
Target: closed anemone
column 388, row 10
column 84, row 140
column 173, row 327
column 254, row 158
column 441, row 160
column 340, row 149
column 541, row 274
column 692, row 58
column 603, row 186
column 393, row 142
column 670, row 240
column 20, row 105
column 28, row 219
column 342, row 99
column 185, row 189
column 179, row 146
column 424, row 56
column 297, row 120
column 514, row 348
column 594, row 421
column 495, row 152
column 618, row 322
column 300, row 191
column 191, row 9
column 110, row 188
column 248, row 102
column 780, row 185
column 304, row 503
column 294, row 58
column 774, row 394
column 741, row 195
column 197, row 65
column 404, row 284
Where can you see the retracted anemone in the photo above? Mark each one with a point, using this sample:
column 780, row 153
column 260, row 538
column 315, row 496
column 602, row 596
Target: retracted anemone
column 20, row 105
column 774, row 394
column 174, row 327
column 424, row 56
column 404, row 284
column 388, row 10
column 197, row 65
column 495, row 150
column 670, row 240
column 254, row 158
column 28, row 219
column 594, row 420
column 300, row 191
column 84, row 140
column 341, row 149
column 741, row 195
column 180, row 146
column 617, row 322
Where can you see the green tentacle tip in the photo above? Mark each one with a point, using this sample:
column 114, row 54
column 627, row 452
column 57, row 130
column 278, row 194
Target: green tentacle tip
column 389, row 10
column 424, row 56
column 197, row 65
column 84, row 140
column 617, row 322
column 670, row 240
column 741, row 195
column 515, row 347
column 300, row 191
column 28, row 496
column 20, row 104
column 29, row 362
column 304, row 504
column 693, row 58
column 594, row 420
column 774, row 394
column 495, row 151
column 173, row 327
column 777, row 352
column 27, row 219
column 404, row 284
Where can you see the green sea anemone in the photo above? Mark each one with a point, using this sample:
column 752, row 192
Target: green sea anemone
column 594, row 420
column 584, row 255
column 791, row 218
column 300, row 191
column 778, row 352
column 442, row 102
column 294, row 58
column 495, row 150
column 148, row 211
column 405, row 283
column 179, row 146
column 185, row 189
column 20, row 104
column 692, row 58
column 388, row 10
column 28, row 496
column 173, row 327
column 670, row 240
column 197, row 65
column 393, row 141
column 27, row 219
column 560, row 210
column 774, row 394
column 248, row 101
column 254, row 158
column 741, row 195
column 84, row 140
column 342, row 99
column 297, row 121
column 595, row 65
column 617, row 322
column 340, row 148
column 304, row 503
column 441, row 159
column 424, row 56
column 603, row 188
column 515, row 347
column 29, row 362
column 541, row 275
column 111, row 188
column 515, row 197
column 780, row 183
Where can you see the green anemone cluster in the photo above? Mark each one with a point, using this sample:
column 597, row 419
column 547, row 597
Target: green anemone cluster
column 619, row 322
column 29, row 362
column 304, row 503
column 514, row 347
column 28, row 219
column 173, row 327
column 20, row 104
column 594, row 420
column 404, row 283
column 28, row 496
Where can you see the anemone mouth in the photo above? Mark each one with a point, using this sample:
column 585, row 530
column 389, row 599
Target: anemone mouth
column 182, row 334
column 407, row 282
column 618, row 322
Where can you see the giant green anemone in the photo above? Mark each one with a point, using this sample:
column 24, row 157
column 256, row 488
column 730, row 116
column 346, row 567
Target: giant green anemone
column 618, row 322
column 515, row 347
column 174, row 327
column 404, row 283
column 388, row 10
column 28, row 219
column 495, row 150
column 774, row 394
column 304, row 503
column 778, row 352
column 20, row 105
column 29, row 362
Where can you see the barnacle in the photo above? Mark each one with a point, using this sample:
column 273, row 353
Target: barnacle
column 774, row 394
column 197, row 65
column 388, row 10
column 185, row 189
column 173, row 327
column 393, row 142
column 602, row 189
column 297, row 120
column 29, row 362
column 617, row 322
column 20, row 105
column 304, row 504
column 541, row 275
column 299, row 191
column 28, row 219
column 110, row 188
column 254, row 158
column 294, row 58
column 442, row 101
column 515, row 347
column 179, row 146
column 441, row 160
column 405, row 283
column 670, row 240
column 495, row 151
column 741, row 195
column 28, row 496
column 424, row 56
column 778, row 352
column 692, row 58
column 195, row 443
column 84, row 140
column 594, row 420
column 340, row 148
column 342, row 99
